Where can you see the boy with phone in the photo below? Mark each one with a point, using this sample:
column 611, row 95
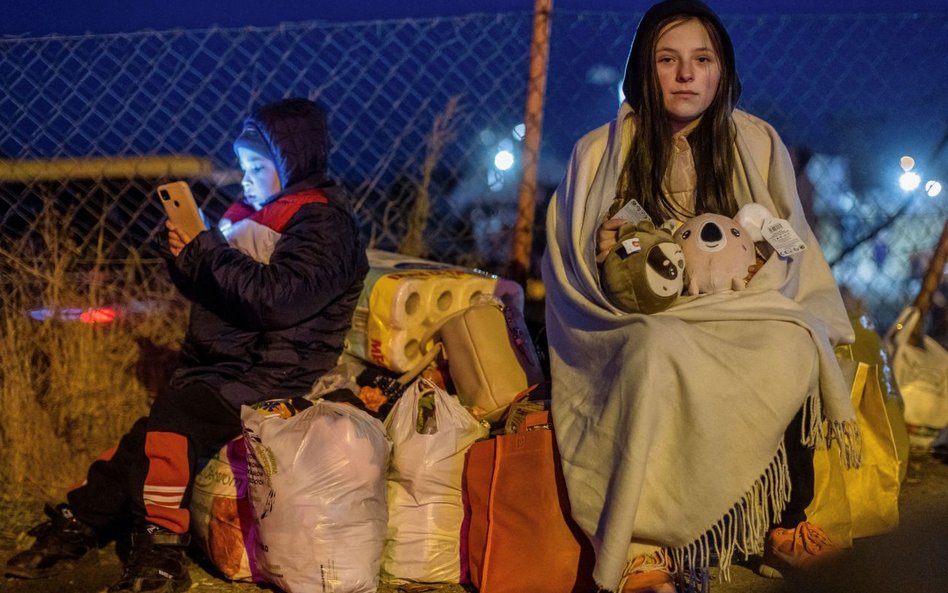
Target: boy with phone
column 272, row 291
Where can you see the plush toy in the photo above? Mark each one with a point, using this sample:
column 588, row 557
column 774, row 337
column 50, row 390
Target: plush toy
column 644, row 271
column 718, row 252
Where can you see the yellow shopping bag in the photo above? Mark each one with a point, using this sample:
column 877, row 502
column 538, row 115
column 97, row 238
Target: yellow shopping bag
column 830, row 505
column 873, row 489
column 860, row 502
column 870, row 349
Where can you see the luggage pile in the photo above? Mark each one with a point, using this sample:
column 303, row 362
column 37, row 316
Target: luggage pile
column 367, row 478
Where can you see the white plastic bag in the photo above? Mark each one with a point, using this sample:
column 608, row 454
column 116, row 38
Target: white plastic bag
column 921, row 373
column 317, row 484
column 424, row 487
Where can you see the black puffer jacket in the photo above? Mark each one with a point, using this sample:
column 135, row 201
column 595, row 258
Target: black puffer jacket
column 273, row 300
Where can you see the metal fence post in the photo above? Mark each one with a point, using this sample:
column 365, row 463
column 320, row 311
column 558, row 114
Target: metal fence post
column 519, row 264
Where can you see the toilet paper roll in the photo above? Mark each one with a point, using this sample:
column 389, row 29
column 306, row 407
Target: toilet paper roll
column 398, row 350
column 441, row 299
column 474, row 288
column 407, row 306
column 404, row 299
column 397, row 300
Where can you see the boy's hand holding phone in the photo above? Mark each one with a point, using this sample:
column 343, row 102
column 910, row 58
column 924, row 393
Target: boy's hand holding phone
column 176, row 239
column 185, row 220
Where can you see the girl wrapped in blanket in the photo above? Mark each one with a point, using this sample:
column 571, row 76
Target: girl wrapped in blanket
column 687, row 435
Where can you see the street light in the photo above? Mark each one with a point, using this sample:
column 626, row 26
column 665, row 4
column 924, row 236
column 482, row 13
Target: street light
column 933, row 188
column 910, row 180
column 503, row 160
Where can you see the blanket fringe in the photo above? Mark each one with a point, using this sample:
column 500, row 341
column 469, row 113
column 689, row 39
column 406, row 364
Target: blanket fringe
column 813, row 430
column 742, row 529
column 850, row 442
column 820, row 433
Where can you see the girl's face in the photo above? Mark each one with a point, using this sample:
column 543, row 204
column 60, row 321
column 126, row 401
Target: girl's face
column 261, row 179
column 688, row 70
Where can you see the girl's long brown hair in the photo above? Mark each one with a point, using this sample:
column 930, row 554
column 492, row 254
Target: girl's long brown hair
column 712, row 143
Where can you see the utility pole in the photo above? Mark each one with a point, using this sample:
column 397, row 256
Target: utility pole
column 519, row 265
column 936, row 266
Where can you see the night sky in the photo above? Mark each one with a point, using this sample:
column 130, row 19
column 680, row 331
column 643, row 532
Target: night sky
column 42, row 17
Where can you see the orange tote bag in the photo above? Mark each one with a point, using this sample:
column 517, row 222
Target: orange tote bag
column 520, row 534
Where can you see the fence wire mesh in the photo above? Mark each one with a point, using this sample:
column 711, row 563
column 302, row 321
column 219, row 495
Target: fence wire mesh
column 89, row 125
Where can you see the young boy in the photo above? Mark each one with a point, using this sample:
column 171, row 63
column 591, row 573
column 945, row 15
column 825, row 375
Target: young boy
column 273, row 289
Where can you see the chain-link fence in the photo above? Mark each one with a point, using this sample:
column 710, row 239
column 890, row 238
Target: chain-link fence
column 186, row 92
column 850, row 95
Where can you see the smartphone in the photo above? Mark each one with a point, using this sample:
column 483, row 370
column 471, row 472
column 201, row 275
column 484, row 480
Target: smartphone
column 181, row 208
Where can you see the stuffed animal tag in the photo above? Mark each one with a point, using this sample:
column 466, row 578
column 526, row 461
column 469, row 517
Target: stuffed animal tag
column 633, row 212
column 782, row 237
column 632, row 246
column 764, row 226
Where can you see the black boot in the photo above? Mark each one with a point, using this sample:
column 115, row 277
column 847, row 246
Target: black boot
column 156, row 563
column 60, row 543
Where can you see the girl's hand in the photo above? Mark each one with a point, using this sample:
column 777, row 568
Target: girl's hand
column 753, row 269
column 606, row 237
column 176, row 239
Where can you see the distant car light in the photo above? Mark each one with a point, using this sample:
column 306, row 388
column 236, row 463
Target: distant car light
column 98, row 315
column 95, row 315
column 44, row 314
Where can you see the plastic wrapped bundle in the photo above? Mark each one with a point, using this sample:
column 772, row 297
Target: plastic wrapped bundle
column 317, row 484
column 406, row 298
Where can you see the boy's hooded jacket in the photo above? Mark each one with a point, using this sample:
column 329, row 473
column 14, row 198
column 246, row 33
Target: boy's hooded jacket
column 273, row 299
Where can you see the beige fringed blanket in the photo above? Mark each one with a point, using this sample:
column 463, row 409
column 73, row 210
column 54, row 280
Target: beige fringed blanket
column 671, row 425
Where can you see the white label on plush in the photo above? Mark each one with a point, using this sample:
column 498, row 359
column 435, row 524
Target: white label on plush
column 632, row 245
column 782, row 237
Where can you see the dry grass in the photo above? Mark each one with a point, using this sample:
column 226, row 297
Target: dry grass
column 443, row 132
column 69, row 390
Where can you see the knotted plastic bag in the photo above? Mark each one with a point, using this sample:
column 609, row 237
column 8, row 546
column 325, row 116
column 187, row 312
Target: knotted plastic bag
column 424, row 486
column 317, row 484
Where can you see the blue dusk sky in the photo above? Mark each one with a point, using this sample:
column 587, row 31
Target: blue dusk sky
column 43, row 17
